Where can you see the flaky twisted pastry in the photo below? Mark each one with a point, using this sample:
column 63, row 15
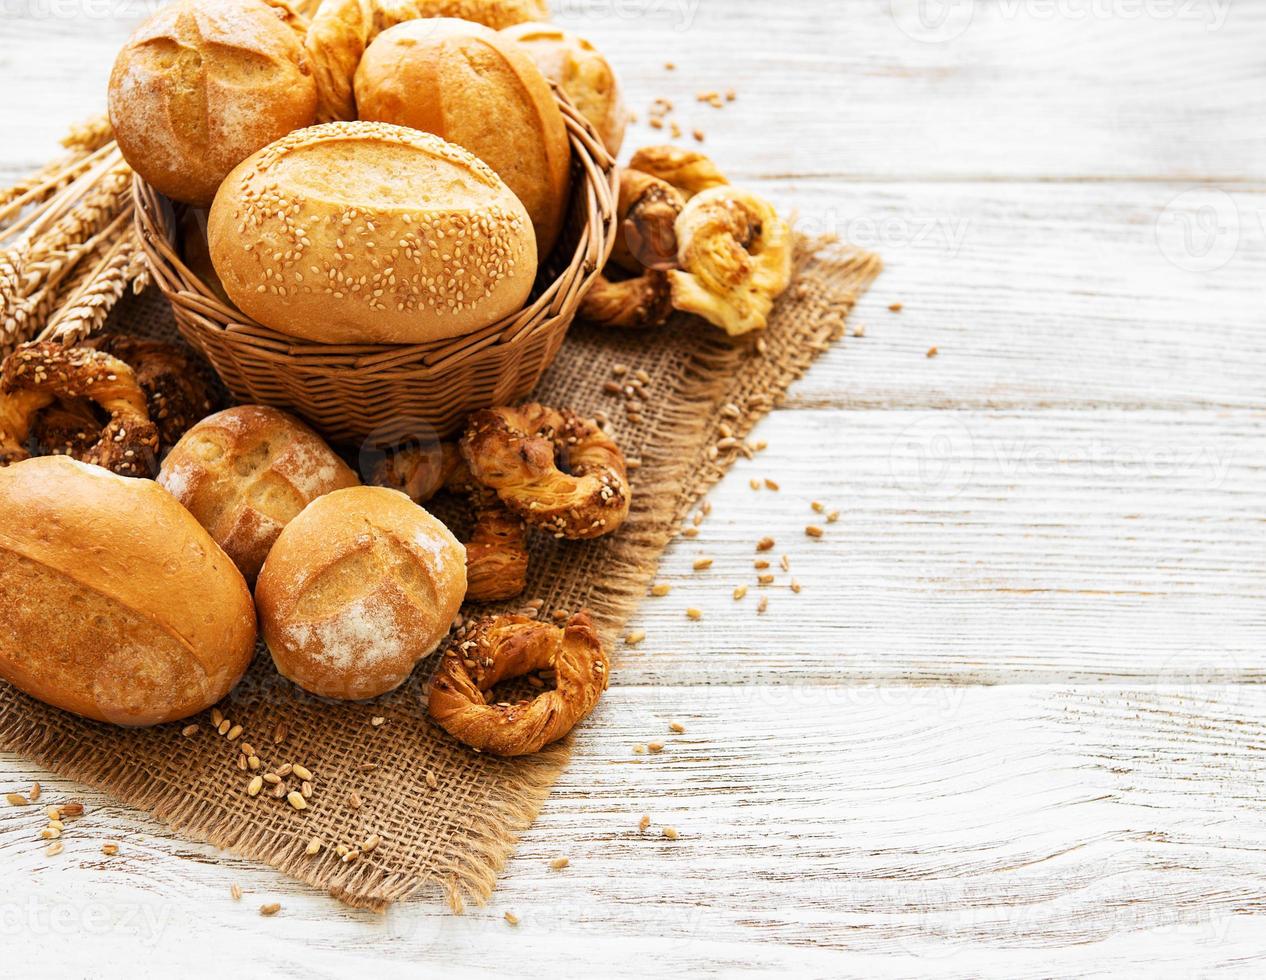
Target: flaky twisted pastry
column 735, row 256
column 37, row 374
column 177, row 389
column 646, row 246
column 511, row 646
column 556, row 470
column 496, row 554
column 342, row 29
column 689, row 171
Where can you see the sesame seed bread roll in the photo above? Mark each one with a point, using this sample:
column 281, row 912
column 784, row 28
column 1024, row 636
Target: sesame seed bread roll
column 118, row 606
column 342, row 30
column 365, row 233
column 359, row 587
column 247, row 472
column 476, row 88
column 202, row 85
column 582, row 72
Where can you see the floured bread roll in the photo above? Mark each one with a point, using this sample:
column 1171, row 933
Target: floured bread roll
column 358, row 588
column 246, row 472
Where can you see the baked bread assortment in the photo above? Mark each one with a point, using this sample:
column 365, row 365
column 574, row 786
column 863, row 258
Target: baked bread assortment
column 359, row 587
column 202, row 85
column 474, row 87
column 364, row 232
column 247, row 472
column 118, row 606
column 581, row 71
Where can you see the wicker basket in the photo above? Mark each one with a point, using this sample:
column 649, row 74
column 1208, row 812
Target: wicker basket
column 383, row 393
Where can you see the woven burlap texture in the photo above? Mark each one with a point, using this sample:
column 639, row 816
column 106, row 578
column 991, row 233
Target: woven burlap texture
column 455, row 836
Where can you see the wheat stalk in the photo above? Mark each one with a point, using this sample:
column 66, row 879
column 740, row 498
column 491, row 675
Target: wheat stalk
column 91, row 300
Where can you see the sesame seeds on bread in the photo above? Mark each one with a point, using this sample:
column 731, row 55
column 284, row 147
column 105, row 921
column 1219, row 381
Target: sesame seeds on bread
column 364, row 232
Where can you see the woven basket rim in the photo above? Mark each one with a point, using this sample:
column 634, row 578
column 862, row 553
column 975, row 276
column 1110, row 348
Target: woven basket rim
column 595, row 190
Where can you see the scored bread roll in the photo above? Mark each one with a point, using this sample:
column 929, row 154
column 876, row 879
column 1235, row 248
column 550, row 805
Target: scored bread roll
column 247, row 472
column 202, row 85
column 118, row 606
column 365, row 233
column 342, row 30
column 358, row 588
column 474, row 87
column 582, row 72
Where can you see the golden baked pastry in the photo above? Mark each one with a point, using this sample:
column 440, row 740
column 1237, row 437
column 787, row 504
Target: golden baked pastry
column 517, row 452
column 735, row 254
column 177, row 388
column 504, row 647
column 37, row 374
column 496, row 553
column 687, row 170
column 582, row 72
column 474, row 87
column 247, row 472
column 342, row 29
column 368, row 233
column 636, row 303
column 202, row 85
column 117, row 605
column 359, row 587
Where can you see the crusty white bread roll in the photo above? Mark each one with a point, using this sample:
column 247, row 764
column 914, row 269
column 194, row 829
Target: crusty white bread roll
column 582, row 72
column 476, row 88
column 118, row 606
column 342, row 29
column 358, row 588
column 247, row 472
column 362, row 232
column 202, row 85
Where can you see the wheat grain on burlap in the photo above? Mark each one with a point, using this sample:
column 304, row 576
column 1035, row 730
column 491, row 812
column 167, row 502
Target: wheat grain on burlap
column 456, row 836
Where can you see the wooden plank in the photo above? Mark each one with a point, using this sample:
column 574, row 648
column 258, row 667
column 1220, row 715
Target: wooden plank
column 977, row 546
column 830, row 830
column 1042, row 295
column 1024, row 90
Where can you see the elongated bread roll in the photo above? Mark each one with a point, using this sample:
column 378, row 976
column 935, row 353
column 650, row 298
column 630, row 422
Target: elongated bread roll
column 365, row 233
column 117, row 604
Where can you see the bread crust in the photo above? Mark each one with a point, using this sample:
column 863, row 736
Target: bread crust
column 118, row 605
column 580, row 70
column 477, row 88
column 202, row 85
column 248, row 471
column 367, row 233
column 358, row 588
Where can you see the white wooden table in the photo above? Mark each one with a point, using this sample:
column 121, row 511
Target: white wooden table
column 1013, row 723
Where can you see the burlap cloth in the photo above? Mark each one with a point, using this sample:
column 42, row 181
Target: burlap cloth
column 457, row 833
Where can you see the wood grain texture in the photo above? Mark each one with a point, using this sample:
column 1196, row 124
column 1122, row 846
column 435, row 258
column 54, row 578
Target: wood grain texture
column 1012, row 723
column 893, row 831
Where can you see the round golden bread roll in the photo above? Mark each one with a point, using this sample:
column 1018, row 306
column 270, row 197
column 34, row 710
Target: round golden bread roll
column 473, row 87
column 202, row 85
column 118, row 606
column 247, row 472
column 342, row 29
column 359, row 587
column 366, row 233
column 582, row 72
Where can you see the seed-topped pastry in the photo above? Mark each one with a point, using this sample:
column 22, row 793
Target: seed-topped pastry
column 363, row 232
